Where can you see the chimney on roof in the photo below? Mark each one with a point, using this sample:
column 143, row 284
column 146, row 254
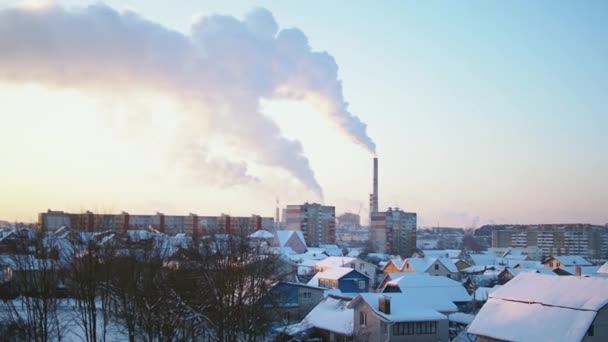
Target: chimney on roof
column 578, row 271
column 384, row 304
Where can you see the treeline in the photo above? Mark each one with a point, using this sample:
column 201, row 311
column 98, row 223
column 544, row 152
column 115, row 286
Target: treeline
column 214, row 290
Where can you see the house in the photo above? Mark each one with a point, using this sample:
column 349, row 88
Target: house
column 331, row 250
column 293, row 301
column 393, row 265
column 344, row 279
column 575, row 270
column 362, row 266
column 538, row 307
column 293, row 239
column 426, row 286
column 331, row 320
column 23, row 273
column 388, row 277
column 560, row 261
column 262, row 237
column 509, row 273
column 399, row 317
column 434, row 266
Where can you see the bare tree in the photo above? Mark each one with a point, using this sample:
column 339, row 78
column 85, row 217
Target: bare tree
column 238, row 278
column 36, row 279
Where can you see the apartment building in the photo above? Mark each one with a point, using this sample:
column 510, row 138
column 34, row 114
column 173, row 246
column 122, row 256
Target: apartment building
column 317, row 222
column 394, row 232
column 585, row 240
column 191, row 224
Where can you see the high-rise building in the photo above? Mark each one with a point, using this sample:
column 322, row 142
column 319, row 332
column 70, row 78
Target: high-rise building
column 585, row 240
column 317, row 222
column 394, row 232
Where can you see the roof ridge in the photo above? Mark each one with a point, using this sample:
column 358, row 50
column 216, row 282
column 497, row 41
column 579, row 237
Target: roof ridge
column 543, row 304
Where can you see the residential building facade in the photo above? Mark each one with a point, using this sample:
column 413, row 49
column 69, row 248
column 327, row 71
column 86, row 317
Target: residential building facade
column 585, row 240
column 388, row 317
column 191, row 224
column 394, row 232
column 317, row 222
column 291, row 302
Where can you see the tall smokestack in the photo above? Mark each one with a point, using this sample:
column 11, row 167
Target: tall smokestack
column 375, row 193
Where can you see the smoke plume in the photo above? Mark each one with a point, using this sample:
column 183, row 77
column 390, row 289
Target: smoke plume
column 222, row 69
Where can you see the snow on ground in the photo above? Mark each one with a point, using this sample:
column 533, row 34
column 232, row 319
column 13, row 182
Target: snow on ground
column 73, row 332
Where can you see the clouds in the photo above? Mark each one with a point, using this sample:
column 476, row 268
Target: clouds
column 220, row 71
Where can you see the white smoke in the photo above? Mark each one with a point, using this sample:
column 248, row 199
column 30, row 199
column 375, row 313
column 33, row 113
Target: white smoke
column 222, row 70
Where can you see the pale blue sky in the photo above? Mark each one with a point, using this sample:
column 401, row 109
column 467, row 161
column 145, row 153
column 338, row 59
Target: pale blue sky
column 496, row 110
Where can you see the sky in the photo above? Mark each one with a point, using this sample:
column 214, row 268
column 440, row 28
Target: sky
column 481, row 112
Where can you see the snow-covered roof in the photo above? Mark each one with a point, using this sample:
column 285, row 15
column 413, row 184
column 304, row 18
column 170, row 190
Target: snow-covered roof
column 476, row 269
column 520, row 309
column 530, row 264
column 381, row 256
column 354, row 252
column 334, row 273
column 484, row 258
column 517, row 321
column 262, row 234
column 584, row 269
column 406, row 307
column 461, row 317
column 139, row 235
column 449, row 264
column 311, row 254
column 331, row 314
column 335, row 261
column 441, row 253
column 398, row 262
column 482, row 293
column 26, row 262
column 427, row 285
column 420, row 265
column 573, row 260
column 603, row 269
column 331, row 250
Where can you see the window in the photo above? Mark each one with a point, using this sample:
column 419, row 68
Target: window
column 436, row 267
column 362, row 318
column 352, row 265
column 307, row 295
column 362, row 284
column 405, row 328
column 361, row 266
column 414, row 328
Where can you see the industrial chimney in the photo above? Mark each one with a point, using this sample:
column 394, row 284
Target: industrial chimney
column 374, row 196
